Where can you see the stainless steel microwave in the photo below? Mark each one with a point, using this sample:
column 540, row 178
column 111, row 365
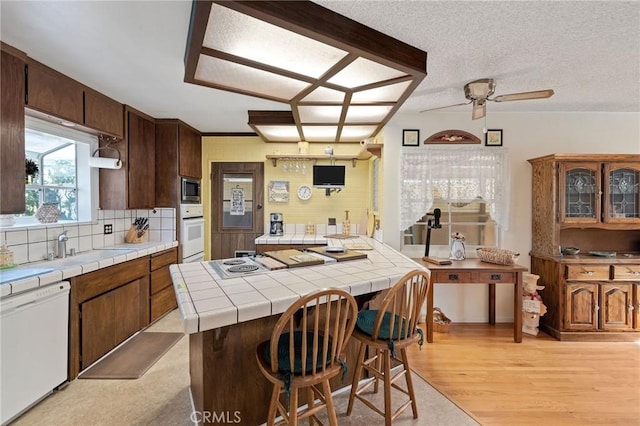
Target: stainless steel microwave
column 190, row 193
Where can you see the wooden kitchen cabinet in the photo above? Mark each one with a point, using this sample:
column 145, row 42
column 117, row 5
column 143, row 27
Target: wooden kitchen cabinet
column 108, row 320
column 103, row 113
column 591, row 202
column 106, row 307
column 132, row 186
column 178, row 153
column 12, row 94
column 162, row 297
column 54, row 93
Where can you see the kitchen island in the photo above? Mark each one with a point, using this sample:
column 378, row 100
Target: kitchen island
column 226, row 318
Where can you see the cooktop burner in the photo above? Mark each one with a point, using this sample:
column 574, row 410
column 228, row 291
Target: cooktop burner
column 243, row 268
column 234, row 262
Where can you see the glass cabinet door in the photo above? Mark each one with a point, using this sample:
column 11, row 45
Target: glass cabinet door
column 579, row 192
column 621, row 193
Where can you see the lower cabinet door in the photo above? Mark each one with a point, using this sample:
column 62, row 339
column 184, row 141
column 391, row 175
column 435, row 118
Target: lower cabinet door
column 162, row 302
column 581, row 301
column 108, row 320
column 616, row 307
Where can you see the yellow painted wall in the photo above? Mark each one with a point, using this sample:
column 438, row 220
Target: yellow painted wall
column 355, row 197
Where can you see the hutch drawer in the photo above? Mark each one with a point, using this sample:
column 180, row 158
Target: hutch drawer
column 587, row 272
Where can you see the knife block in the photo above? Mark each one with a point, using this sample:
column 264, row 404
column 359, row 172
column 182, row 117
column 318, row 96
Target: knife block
column 132, row 236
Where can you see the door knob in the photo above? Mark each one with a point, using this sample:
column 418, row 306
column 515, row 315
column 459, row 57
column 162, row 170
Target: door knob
column 259, row 206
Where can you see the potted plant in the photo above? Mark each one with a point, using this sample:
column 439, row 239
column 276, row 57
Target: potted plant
column 30, row 170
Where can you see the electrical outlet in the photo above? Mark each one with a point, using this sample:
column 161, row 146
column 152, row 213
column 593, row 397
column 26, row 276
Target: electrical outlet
column 108, row 229
column 332, row 221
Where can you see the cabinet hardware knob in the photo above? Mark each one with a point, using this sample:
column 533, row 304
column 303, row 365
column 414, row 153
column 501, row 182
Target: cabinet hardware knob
column 596, row 308
column 635, row 273
column 630, row 307
column 588, row 273
column 453, row 276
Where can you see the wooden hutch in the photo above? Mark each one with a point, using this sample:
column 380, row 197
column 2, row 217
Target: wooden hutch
column 591, row 202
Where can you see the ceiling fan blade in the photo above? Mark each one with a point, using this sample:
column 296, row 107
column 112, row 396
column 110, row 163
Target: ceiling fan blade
column 479, row 109
column 448, row 106
column 536, row 94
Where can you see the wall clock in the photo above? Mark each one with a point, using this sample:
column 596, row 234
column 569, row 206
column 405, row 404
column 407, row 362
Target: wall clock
column 304, row 192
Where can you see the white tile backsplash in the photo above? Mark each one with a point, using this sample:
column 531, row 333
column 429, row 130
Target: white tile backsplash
column 32, row 244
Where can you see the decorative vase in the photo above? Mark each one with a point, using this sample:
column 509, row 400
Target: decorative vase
column 48, row 213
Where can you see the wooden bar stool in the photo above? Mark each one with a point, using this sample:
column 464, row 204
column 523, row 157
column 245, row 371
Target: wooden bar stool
column 306, row 350
column 381, row 333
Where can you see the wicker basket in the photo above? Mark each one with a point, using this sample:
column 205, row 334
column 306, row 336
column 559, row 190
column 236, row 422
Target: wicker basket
column 441, row 322
column 497, row 256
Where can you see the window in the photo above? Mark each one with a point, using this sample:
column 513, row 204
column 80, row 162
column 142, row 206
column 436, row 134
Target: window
column 469, row 185
column 64, row 177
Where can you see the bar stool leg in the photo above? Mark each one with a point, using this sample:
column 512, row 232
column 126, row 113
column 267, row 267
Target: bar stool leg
column 356, row 377
column 293, row 407
column 273, row 405
column 412, row 395
column 387, row 388
column 331, row 409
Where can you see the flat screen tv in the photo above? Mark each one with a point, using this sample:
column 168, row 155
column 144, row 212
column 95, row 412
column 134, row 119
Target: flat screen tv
column 328, row 176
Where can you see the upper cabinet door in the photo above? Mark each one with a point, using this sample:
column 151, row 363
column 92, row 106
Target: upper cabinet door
column 54, row 93
column 622, row 193
column 103, row 113
column 141, row 167
column 580, row 192
column 190, row 153
column 12, row 134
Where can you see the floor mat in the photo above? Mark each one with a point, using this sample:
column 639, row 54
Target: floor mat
column 134, row 358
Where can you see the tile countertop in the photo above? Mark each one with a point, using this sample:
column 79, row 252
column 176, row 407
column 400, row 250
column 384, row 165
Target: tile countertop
column 206, row 301
column 61, row 269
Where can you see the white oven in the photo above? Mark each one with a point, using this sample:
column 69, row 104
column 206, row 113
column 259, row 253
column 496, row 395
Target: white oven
column 192, row 232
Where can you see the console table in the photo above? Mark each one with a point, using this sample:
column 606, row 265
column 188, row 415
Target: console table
column 473, row 271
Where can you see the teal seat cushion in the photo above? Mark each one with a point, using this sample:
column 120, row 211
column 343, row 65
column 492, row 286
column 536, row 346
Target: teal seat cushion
column 367, row 319
column 283, row 353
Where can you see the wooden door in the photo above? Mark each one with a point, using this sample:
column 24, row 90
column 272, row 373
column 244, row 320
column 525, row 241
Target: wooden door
column 616, row 307
column 237, row 217
column 141, row 162
column 636, row 306
column 579, row 193
column 103, row 113
column 581, row 307
column 621, row 193
column 126, row 310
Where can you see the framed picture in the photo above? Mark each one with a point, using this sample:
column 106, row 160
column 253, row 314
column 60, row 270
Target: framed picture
column 411, row 137
column 493, row 137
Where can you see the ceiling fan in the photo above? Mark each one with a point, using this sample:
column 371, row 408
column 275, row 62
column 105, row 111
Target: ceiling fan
column 478, row 93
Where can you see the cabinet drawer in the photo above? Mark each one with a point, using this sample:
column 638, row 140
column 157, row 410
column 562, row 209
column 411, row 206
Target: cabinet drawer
column 164, row 258
column 626, row 272
column 444, row 277
column 494, row 277
column 160, row 279
column 588, row 272
column 162, row 303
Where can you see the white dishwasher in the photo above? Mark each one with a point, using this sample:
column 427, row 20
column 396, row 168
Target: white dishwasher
column 34, row 330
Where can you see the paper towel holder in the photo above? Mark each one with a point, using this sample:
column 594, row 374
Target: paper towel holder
column 94, row 162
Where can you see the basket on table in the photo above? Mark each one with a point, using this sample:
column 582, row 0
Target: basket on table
column 497, row 256
column 441, row 322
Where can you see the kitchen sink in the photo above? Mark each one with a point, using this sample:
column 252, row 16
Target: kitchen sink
column 86, row 257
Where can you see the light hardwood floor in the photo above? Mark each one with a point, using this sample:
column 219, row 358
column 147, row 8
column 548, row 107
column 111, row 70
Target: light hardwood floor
column 539, row 381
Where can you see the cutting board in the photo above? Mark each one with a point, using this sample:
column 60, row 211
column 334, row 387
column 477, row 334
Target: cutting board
column 340, row 257
column 294, row 258
column 270, row 263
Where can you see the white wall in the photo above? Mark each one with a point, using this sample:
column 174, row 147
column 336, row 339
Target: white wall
column 526, row 135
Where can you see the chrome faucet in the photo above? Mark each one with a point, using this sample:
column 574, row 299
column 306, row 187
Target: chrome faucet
column 62, row 245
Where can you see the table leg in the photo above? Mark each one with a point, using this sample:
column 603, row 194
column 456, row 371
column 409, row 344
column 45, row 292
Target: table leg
column 429, row 320
column 492, row 303
column 517, row 309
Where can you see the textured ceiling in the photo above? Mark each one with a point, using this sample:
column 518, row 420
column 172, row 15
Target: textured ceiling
column 587, row 51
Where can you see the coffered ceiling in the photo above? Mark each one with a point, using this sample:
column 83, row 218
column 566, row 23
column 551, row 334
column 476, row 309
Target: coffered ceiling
column 588, row 52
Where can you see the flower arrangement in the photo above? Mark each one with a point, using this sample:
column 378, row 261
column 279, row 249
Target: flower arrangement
column 30, row 169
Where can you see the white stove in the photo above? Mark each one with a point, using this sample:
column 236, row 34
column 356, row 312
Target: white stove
column 237, row 267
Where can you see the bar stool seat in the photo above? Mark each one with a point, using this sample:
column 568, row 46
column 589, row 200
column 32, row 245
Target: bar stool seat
column 384, row 332
column 311, row 336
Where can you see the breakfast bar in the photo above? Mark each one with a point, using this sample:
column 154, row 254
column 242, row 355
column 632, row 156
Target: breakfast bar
column 227, row 317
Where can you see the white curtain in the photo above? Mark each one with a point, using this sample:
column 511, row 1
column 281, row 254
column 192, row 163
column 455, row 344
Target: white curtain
column 459, row 174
